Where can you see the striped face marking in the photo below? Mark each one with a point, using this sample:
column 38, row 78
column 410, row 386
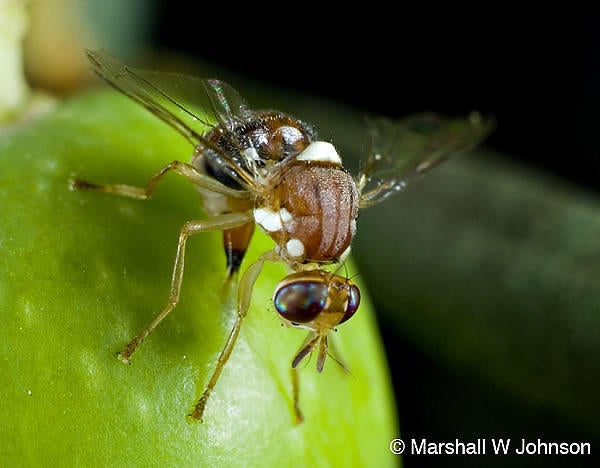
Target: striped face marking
column 272, row 221
column 321, row 151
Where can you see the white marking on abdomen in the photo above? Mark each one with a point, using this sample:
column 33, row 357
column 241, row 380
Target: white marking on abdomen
column 272, row 220
column 320, row 151
column 295, row 247
column 345, row 254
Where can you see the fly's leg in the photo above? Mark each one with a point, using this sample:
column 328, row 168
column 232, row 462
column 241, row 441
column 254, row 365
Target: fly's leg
column 143, row 193
column 309, row 344
column 336, row 356
column 217, row 223
column 243, row 303
column 296, row 395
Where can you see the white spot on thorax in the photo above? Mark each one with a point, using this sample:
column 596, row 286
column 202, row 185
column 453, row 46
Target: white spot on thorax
column 320, row 151
column 295, row 247
column 272, row 220
column 290, row 134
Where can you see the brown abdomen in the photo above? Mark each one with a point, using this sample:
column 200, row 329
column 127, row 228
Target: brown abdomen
column 322, row 201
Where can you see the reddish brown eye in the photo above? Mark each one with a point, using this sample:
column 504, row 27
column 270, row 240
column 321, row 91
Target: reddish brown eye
column 302, row 301
column 353, row 302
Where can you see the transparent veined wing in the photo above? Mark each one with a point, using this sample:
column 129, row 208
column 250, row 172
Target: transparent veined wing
column 226, row 103
column 401, row 150
column 191, row 105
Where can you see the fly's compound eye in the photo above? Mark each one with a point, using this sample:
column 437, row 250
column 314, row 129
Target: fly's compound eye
column 353, row 302
column 301, row 301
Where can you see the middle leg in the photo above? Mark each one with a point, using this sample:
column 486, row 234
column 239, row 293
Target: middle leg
column 221, row 222
column 243, row 304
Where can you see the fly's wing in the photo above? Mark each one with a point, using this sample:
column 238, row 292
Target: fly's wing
column 192, row 106
column 226, row 103
column 399, row 151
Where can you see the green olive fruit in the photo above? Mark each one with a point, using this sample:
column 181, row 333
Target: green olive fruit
column 82, row 272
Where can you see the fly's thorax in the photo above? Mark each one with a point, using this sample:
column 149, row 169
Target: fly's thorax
column 311, row 208
column 252, row 145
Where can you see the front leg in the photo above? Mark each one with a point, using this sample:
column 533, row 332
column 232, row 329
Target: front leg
column 185, row 170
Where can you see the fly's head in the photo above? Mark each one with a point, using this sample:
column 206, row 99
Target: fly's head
column 318, row 301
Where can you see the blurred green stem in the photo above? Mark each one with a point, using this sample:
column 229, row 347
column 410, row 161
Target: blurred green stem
column 13, row 88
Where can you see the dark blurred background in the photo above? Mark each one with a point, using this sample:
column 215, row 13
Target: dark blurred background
column 537, row 72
